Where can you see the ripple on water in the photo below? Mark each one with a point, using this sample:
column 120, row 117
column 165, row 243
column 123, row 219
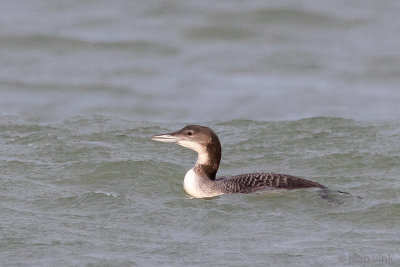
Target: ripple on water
column 79, row 190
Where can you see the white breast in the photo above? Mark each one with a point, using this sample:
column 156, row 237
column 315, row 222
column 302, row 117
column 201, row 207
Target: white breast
column 191, row 184
column 194, row 187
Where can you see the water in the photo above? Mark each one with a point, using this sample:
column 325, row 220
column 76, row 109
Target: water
column 200, row 61
column 307, row 88
column 97, row 190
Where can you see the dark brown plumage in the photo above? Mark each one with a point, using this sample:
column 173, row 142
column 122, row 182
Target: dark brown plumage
column 252, row 182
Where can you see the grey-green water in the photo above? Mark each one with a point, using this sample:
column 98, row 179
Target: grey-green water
column 96, row 190
column 308, row 88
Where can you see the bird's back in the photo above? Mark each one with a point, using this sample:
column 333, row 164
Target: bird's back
column 251, row 182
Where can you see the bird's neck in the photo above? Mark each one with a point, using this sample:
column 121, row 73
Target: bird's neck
column 208, row 162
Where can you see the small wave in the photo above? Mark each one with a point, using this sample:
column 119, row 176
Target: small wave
column 40, row 40
column 109, row 194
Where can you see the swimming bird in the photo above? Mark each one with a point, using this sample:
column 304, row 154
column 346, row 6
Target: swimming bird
column 201, row 180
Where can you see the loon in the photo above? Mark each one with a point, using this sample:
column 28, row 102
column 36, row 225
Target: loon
column 201, row 181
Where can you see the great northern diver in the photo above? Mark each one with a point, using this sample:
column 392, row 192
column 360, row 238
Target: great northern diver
column 201, row 181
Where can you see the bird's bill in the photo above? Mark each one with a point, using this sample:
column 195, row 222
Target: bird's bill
column 166, row 138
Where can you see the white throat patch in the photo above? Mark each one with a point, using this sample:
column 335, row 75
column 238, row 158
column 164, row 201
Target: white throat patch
column 203, row 157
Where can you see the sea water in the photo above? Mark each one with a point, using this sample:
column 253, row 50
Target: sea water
column 307, row 88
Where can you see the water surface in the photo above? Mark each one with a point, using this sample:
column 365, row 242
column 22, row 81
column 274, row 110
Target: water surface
column 308, row 88
column 97, row 190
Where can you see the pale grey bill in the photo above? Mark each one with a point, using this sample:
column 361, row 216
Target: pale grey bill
column 166, row 138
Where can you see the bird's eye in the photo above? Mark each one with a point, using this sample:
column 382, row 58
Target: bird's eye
column 189, row 133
